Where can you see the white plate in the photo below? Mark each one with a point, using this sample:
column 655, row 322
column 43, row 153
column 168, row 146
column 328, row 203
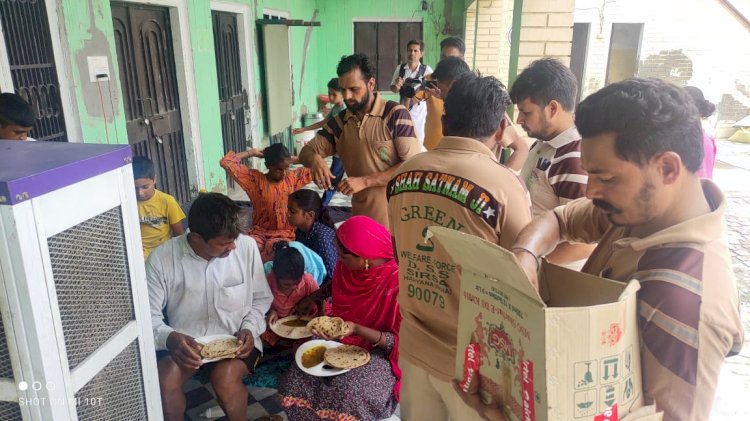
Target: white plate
column 203, row 340
column 318, row 370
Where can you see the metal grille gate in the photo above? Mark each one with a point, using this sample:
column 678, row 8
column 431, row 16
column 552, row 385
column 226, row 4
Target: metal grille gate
column 32, row 64
column 145, row 56
column 232, row 96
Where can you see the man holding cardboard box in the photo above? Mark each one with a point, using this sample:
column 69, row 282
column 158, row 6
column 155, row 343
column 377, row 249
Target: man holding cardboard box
column 458, row 185
column 656, row 221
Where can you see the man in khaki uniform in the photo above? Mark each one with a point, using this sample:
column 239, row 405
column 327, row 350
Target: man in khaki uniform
column 373, row 137
column 656, row 221
column 459, row 185
column 451, row 49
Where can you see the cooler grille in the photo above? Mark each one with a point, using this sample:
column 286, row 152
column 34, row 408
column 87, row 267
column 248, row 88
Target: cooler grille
column 90, row 268
column 6, row 369
column 10, row 411
column 116, row 392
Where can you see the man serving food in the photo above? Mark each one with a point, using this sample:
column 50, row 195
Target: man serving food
column 208, row 282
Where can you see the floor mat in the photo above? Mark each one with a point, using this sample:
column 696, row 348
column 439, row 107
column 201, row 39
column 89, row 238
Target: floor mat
column 267, row 375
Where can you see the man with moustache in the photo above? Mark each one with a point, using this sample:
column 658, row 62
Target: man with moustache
column 545, row 94
column 656, row 221
column 372, row 137
column 208, row 281
column 451, row 56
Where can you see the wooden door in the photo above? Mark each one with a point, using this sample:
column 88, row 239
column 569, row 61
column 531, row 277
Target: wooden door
column 143, row 39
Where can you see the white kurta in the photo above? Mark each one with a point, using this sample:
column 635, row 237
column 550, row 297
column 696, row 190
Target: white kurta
column 218, row 296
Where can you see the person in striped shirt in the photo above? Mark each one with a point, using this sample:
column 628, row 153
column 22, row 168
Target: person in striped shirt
column 545, row 94
column 654, row 220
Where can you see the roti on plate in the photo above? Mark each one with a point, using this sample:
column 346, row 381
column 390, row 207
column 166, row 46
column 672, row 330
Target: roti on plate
column 220, row 348
column 292, row 327
column 333, row 327
column 347, row 356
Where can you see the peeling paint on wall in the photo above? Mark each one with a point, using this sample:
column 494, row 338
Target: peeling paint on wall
column 670, row 65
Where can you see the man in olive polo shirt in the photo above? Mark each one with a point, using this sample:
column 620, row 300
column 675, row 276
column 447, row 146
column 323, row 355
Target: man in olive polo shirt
column 373, row 137
column 656, row 221
column 458, row 185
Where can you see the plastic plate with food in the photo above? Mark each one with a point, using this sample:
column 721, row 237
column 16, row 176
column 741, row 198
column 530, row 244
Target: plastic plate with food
column 217, row 347
column 310, row 358
column 292, row 327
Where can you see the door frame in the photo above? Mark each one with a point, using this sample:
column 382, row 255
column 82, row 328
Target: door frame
column 63, row 67
column 186, row 82
column 246, row 38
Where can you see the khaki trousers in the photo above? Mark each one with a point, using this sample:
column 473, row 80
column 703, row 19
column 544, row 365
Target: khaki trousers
column 425, row 397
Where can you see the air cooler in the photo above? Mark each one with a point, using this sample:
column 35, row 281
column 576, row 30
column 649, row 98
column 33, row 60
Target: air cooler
column 75, row 332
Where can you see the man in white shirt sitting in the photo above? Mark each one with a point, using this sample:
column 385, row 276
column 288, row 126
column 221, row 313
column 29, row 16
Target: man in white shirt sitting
column 208, row 281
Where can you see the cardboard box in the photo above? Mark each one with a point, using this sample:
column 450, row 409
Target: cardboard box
column 570, row 354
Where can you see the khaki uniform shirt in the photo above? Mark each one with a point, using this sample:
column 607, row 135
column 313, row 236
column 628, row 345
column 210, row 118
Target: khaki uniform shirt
column 433, row 128
column 553, row 172
column 457, row 185
column 384, row 138
column 688, row 302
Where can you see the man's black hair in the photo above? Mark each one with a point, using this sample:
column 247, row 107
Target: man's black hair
column 275, row 154
column 288, row 264
column 334, row 84
column 449, row 69
column 143, row 168
column 475, row 106
column 356, row 61
column 15, row 110
column 418, row 42
column 453, row 42
column 648, row 117
column 546, row 80
column 215, row 215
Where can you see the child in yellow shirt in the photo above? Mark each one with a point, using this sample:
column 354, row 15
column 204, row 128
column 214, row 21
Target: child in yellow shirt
column 159, row 213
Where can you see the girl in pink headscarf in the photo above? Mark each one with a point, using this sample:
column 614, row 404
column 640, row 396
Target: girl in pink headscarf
column 365, row 291
column 706, row 109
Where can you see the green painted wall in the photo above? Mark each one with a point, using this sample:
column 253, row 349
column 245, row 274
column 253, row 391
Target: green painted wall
column 207, row 92
column 89, row 33
column 88, row 25
column 335, row 37
column 338, row 28
column 304, row 98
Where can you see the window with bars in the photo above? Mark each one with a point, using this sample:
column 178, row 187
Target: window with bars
column 385, row 44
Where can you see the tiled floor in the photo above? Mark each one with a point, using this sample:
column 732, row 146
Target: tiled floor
column 200, row 398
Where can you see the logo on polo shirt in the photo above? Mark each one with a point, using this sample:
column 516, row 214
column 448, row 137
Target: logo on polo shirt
column 455, row 188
